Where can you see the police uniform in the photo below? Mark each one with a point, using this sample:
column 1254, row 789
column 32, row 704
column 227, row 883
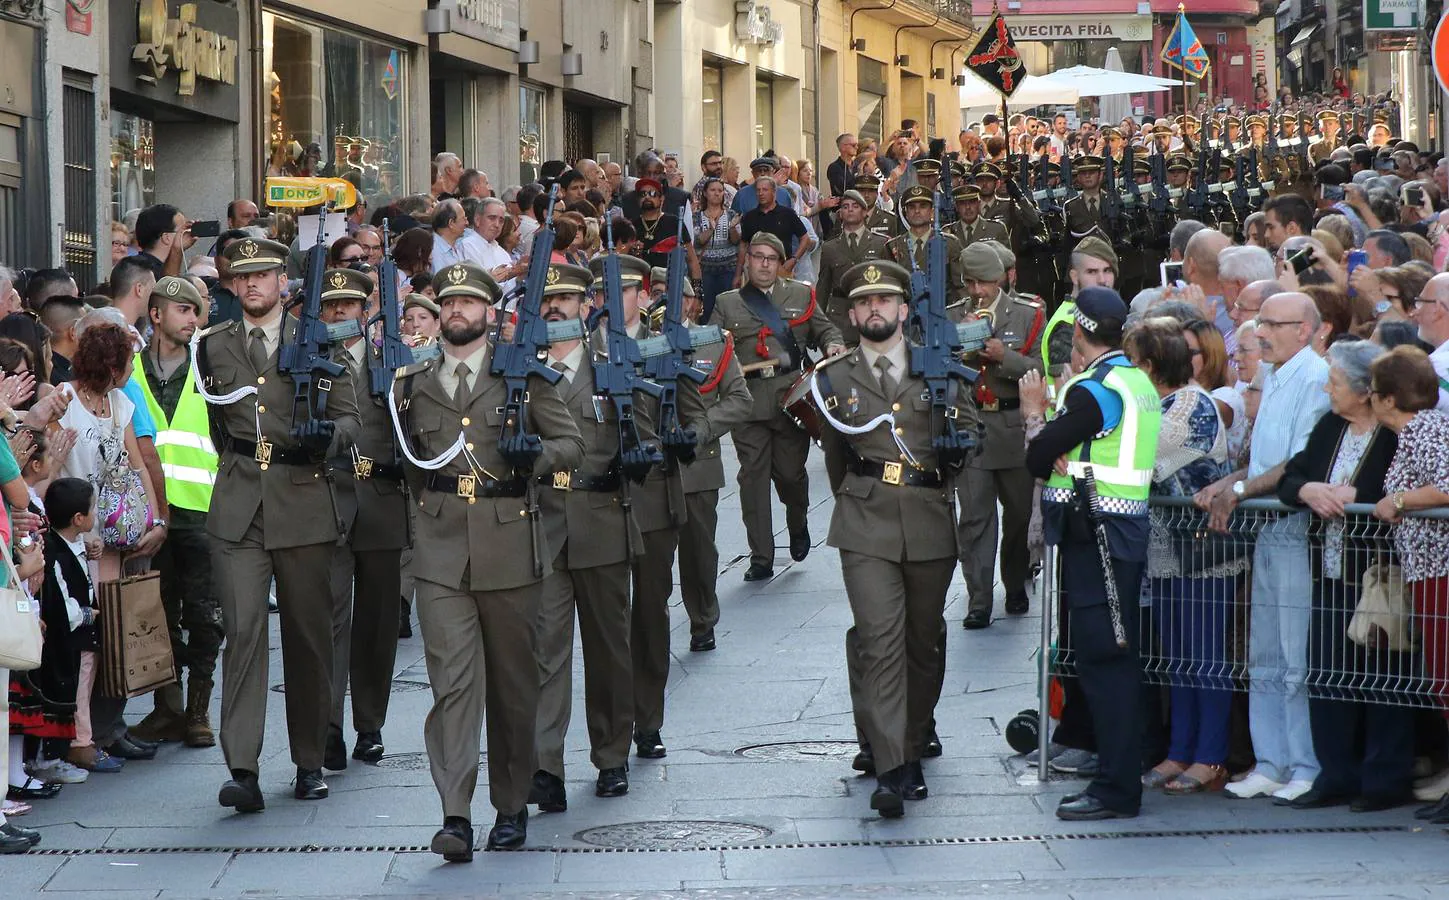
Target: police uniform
column 1106, row 425
column 273, row 516
column 908, row 250
column 183, row 442
column 838, row 255
column 480, row 559
column 997, row 473
column 367, row 569
column 893, row 525
column 980, row 228
column 770, row 446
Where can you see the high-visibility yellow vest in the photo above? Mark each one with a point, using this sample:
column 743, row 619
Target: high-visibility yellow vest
column 1064, row 317
column 1121, row 458
column 183, row 442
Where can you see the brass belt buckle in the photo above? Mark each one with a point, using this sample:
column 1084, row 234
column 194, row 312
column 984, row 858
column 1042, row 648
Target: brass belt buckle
column 991, row 406
column 468, row 487
column 892, row 473
column 563, row 481
column 263, row 453
column 767, row 372
column 362, row 468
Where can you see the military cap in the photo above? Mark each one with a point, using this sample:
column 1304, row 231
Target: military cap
column 659, row 276
column 178, row 290
column 980, row 263
column 854, row 196
column 345, row 284
column 767, row 239
column 865, row 182
column 966, row 192
column 632, row 271
column 565, row 278
column 1381, row 117
column 1259, row 120
column 987, row 170
column 467, row 280
column 1088, row 163
column 1008, row 259
column 254, row 255
column 1179, row 162
column 1052, row 168
column 1227, row 163
column 917, row 194
column 418, row 298
column 764, row 162
column 1288, row 118
column 1095, row 305
column 1188, row 119
column 1099, row 249
column 1327, row 115
column 1141, row 166
column 1233, row 122
column 1161, row 129
column 928, row 166
column 876, row 276
column 1107, row 131
column 958, row 169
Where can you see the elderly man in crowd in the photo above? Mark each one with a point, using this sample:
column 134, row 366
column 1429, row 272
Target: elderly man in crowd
column 1431, row 314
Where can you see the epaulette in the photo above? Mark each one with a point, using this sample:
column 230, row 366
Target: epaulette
column 1030, row 300
column 413, row 369
column 218, row 328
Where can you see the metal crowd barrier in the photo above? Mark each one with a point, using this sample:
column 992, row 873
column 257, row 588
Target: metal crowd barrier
column 1198, row 607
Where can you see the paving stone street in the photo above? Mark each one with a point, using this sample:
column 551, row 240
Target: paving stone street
column 756, row 797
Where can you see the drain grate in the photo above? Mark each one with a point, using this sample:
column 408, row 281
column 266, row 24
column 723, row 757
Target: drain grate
column 399, row 686
column 672, row 835
column 798, row 845
column 416, row 762
column 795, row 751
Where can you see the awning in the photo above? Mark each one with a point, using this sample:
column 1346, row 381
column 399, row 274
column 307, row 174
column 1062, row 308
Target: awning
column 1283, row 8
column 1295, row 57
column 1305, row 33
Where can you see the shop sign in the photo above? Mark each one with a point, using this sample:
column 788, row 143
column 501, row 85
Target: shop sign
column 491, row 21
column 78, row 16
column 755, row 25
column 1392, row 15
column 1079, row 28
column 165, row 44
column 303, row 193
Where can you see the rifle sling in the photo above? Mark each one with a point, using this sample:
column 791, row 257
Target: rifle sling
column 765, row 311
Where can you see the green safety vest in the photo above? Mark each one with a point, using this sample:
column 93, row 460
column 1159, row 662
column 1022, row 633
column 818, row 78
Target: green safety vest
column 188, row 458
column 1065, row 316
column 1121, row 459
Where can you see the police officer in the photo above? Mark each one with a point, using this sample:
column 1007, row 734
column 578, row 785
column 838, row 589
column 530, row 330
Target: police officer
column 274, row 516
column 908, row 249
column 480, row 558
column 773, row 320
column 970, row 226
column 997, row 473
column 366, row 571
column 893, row 525
column 852, row 243
column 1106, row 428
column 183, row 442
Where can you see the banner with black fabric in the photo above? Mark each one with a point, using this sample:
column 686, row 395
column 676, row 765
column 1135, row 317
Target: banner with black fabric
column 995, row 59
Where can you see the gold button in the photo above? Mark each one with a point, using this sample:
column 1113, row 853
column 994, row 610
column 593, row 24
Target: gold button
column 261, row 408
column 466, row 422
column 316, row 475
column 421, row 503
column 261, row 379
column 469, row 445
column 472, row 500
column 264, row 467
column 895, row 407
column 900, row 431
column 522, row 513
column 903, row 457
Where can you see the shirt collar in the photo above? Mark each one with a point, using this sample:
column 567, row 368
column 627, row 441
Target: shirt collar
column 572, row 361
column 272, row 331
column 896, row 354
column 1293, row 365
column 474, row 361
column 358, row 352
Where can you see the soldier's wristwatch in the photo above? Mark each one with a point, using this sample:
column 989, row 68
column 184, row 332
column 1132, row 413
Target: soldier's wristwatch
column 1240, row 489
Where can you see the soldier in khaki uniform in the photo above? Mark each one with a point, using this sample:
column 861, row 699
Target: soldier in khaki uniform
column 911, row 244
column 998, row 473
column 970, row 226
column 881, row 221
column 480, row 559
column 1018, row 214
column 1328, row 126
column 853, row 243
column 1084, row 211
column 273, row 516
column 894, row 527
column 367, row 570
column 773, row 321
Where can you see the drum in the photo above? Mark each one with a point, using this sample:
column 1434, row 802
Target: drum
column 799, row 405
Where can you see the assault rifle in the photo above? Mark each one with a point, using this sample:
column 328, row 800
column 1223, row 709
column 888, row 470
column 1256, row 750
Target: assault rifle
column 1111, row 201
column 306, row 358
column 394, row 352
column 1196, row 199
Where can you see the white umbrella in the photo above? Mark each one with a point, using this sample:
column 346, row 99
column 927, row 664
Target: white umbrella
column 1033, row 91
column 1116, row 107
column 1093, row 82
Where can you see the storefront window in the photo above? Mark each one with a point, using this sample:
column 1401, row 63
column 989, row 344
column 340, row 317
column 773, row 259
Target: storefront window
column 870, row 98
column 764, row 116
column 713, row 107
column 133, row 164
column 336, row 104
column 531, row 120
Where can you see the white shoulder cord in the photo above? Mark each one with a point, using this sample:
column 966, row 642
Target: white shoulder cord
column 437, row 462
column 888, row 418
column 214, row 399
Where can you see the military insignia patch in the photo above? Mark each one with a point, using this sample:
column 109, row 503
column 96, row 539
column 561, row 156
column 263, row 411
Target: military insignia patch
column 249, row 249
column 173, row 288
column 457, row 275
column 552, row 277
column 338, row 280
column 871, row 275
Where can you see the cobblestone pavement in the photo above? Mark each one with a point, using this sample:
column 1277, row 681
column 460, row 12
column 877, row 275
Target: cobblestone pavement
column 726, row 814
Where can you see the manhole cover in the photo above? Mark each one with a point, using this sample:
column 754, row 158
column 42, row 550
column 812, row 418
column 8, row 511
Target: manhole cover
column 788, row 751
column 416, row 762
column 672, row 835
column 398, row 687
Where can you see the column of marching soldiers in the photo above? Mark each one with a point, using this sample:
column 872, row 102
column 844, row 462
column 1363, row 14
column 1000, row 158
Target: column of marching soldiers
column 552, row 453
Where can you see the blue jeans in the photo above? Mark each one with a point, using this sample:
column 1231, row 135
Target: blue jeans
column 1192, row 619
column 716, row 280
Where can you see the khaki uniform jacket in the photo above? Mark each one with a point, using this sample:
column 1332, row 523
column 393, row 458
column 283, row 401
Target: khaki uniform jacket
column 1019, row 324
column 983, row 229
column 792, row 299
column 1081, row 220
column 298, row 502
column 1019, row 218
column 835, row 260
column 891, row 522
column 883, row 222
column 375, row 509
column 725, row 407
column 490, row 540
column 900, row 251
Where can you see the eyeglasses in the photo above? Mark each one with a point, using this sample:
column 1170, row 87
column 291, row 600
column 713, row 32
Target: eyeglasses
column 649, row 193
column 348, row 260
column 120, row 243
column 1269, row 323
column 764, row 257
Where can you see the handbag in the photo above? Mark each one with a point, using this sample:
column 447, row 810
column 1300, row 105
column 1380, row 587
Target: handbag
column 20, row 636
column 121, row 506
column 135, row 646
column 1199, row 548
column 1384, row 614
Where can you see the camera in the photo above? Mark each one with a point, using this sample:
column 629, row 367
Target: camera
column 1332, row 192
column 1414, row 195
column 1303, row 260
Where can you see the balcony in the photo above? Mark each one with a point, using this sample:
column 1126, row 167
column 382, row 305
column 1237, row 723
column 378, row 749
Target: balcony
column 943, row 19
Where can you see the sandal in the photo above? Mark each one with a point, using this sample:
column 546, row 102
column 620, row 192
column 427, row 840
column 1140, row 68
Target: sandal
column 1188, row 784
column 12, row 808
column 1155, row 779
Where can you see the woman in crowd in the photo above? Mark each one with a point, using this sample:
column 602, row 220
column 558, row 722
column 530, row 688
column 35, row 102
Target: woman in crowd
column 420, row 318
column 1248, row 356
column 1345, row 461
column 715, row 238
column 120, row 242
column 27, row 329
column 804, row 175
column 1210, row 372
column 730, row 172
column 413, row 252
column 344, row 252
column 1190, row 607
column 1398, row 288
column 508, row 238
column 1337, row 315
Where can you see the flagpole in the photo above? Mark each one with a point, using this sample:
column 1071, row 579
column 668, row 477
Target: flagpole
column 1182, row 58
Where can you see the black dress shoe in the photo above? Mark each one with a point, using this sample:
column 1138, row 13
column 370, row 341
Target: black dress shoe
column 913, row 783
column 124, row 748
column 143, row 744
column 310, row 785
column 612, row 782
column 1017, row 603
column 976, row 618
column 404, row 619
column 547, row 792
column 864, row 760
column 932, row 748
column 1316, row 799
column 649, row 746
column 509, row 832
column 758, row 572
column 1086, row 808
column 242, row 792
column 334, row 755
column 1378, row 802
column 369, row 747
column 9, row 845
column 702, row 643
column 26, row 834
column 1425, row 813
column 454, row 841
column 33, row 789
column 887, row 798
column 800, row 544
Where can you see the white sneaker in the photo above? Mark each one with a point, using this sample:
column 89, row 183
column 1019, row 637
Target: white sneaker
column 1053, row 751
column 1293, row 790
column 1255, row 785
column 1432, row 788
column 58, row 771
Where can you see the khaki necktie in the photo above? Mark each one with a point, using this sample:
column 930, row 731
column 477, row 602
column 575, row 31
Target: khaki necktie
column 559, row 366
column 257, row 352
column 887, row 383
column 851, row 242
column 1092, row 207
column 460, row 393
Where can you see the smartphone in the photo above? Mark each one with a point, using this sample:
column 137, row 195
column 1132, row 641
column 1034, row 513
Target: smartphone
column 1355, row 259
column 1333, row 193
column 1171, row 273
column 1303, row 260
column 207, row 228
column 1414, row 195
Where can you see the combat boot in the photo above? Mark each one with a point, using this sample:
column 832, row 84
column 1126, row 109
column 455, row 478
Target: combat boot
column 167, row 722
column 198, row 720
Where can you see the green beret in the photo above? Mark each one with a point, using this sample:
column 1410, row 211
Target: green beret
column 178, row 290
column 1096, row 247
column 659, row 276
column 854, row 196
column 1008, row 259
column 980, row 263
column 876, row 276
column 633, row 271
column 465, row 279
column 345, row 284
column 254, row 255
column 769, row 240
column 417, row 298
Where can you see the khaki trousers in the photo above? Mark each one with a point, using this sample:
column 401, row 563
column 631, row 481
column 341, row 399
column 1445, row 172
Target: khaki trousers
column 366, row 595
column 479, row 647
column 978, row 491
column 600, row 595
column 243, row 572
column 699, row 561
column 776, row 451
column 649, row 627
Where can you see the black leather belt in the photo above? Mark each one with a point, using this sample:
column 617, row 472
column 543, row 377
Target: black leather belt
column 897, row 473
column 770, row 372
column 573, row 481
column 388, row 472
column 268, row 453
column 471, row 486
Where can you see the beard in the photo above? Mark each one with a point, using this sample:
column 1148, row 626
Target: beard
column 458, row 332
column 878, row 329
